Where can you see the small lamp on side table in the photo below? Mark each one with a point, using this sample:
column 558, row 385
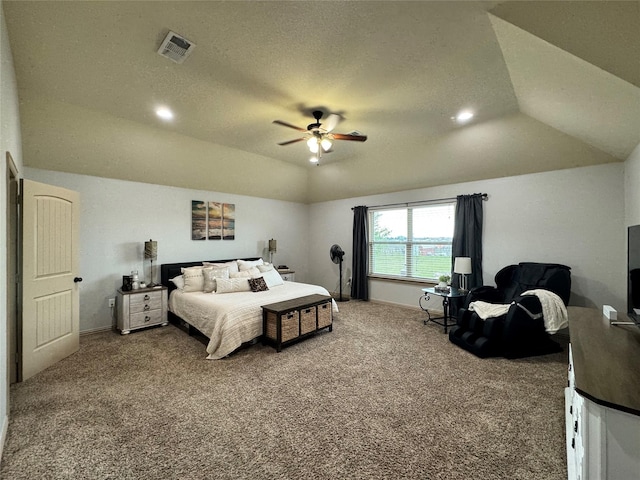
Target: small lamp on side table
column 151, row 252
column 462, row 266
column 272, row 249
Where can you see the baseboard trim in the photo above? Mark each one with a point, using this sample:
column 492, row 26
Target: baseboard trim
column 3, row 434
column 395, row 304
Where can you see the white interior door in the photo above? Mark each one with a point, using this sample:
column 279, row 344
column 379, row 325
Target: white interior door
column 50, row 291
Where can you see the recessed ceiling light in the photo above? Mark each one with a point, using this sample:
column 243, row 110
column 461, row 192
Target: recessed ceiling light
column 464, row 116
column 164, row 113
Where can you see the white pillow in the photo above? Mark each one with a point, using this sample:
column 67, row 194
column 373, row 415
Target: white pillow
column 244, row 274
column 247, row 264
column 230, row 285
column 211, row 275
column 233, row 265
column 253, row 272
column 193, row 279
column 272, row 278
column 178, row 282
column 265, row 268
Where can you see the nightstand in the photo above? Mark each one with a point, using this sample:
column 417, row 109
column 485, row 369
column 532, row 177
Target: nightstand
column 287, row 274
column 141, row 308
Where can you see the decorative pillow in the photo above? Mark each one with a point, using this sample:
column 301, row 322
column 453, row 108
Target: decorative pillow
column 245, row 274
column 247, row 264
column 193, row 279
column 229, row 285
column 178, row 282
column 210, row 276
column 265, row 268
column 251, row 273
column 272, row 278
column 233, row 265
column 258, row 284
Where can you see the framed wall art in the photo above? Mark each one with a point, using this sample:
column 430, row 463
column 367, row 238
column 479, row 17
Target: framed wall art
column 213, row 220
column 198, row 220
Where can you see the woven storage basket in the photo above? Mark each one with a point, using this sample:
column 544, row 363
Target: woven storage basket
column 290, row 325
column 324, row 315
column 307, row 320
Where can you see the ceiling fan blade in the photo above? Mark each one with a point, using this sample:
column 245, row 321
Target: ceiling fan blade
column 292, row 141
column 331, row 122
column 355, row 138
column 285, row 124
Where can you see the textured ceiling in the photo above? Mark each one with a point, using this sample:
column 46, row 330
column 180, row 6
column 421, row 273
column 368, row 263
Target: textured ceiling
column 555, row 83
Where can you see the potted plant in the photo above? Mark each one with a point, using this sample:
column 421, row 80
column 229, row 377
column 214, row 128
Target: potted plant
column 444, row 281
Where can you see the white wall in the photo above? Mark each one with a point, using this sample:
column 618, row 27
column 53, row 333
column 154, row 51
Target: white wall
column 574, row 217
column 10, row 141
column 118, row 216
column 632, row 188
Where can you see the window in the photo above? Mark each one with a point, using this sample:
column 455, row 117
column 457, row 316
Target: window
column 411, row 242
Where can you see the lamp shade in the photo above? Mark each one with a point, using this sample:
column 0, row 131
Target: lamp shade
column 272, row 245
column 462, row 265
column 151, row 249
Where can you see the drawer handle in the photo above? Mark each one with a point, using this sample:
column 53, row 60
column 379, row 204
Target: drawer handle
column 147, row 307
column 571, row 409
column 575, row 427
column 308, row 310
column 289, row 315
column 147, row 318
column 573, row 443
column 147, row 297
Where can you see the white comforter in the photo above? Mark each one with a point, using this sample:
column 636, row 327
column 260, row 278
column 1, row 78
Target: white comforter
column 230, row 319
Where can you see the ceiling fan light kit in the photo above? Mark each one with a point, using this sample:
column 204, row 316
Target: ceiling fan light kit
column 320, row 139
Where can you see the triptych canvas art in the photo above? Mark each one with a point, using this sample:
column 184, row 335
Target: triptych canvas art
column 213, row 220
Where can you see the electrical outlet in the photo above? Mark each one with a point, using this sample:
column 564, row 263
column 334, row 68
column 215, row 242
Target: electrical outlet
column 112, row 302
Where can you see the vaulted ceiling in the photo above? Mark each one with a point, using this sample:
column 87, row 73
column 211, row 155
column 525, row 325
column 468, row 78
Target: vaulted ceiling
column 553, row 85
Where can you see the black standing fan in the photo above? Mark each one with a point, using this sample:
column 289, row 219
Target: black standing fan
column 336, row 254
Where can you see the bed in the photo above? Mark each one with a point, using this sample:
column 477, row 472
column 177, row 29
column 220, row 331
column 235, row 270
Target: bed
column 228, row 320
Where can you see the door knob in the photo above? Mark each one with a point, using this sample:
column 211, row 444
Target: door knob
column 77, row 279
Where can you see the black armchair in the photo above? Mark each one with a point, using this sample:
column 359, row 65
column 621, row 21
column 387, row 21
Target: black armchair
column 514, row 334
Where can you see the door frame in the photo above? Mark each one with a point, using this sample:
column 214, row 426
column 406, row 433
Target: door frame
column 13, row 272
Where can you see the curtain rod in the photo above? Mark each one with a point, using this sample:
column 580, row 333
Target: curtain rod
column 485, row 196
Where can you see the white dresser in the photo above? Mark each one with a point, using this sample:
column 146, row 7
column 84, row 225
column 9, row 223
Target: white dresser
column 602, row 399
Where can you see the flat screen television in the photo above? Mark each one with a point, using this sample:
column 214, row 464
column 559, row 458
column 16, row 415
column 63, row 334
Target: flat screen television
column 633, row 274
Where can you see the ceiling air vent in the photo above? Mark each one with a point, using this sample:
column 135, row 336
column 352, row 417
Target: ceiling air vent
column 176, row 48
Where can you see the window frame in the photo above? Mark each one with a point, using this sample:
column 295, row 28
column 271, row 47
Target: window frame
column 409, row 244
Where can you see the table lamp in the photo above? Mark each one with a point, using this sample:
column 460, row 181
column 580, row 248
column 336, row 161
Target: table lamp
column 151, row 252
column 272, row 249
column 462, row 266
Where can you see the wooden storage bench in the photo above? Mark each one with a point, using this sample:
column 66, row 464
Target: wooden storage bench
column 284, row 323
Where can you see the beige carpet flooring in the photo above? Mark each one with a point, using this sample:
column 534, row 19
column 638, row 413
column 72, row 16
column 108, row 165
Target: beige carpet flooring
column 381, row 397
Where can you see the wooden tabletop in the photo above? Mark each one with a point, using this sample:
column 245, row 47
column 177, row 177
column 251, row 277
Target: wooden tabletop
column 301, row 302
column 606, row 359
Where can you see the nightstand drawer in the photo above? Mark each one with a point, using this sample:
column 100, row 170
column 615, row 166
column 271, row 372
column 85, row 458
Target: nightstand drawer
column 145, row 302
column 145, row 318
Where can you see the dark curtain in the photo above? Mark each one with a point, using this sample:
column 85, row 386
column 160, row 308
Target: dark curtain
column 360, row 266
column 467, row 238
